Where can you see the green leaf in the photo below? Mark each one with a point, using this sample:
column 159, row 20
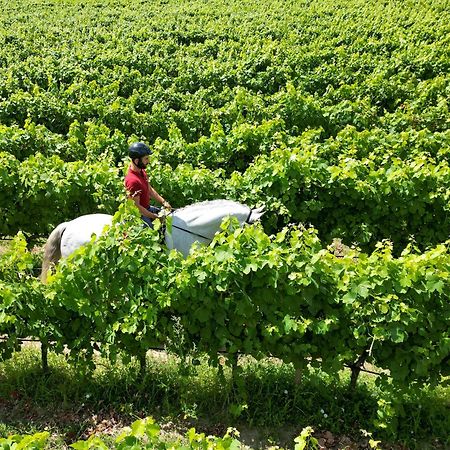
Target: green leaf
column 202, row 314
column 349, row 298
column 397, row 334
column 138, row 428
column 80, row 445
column 435, row 285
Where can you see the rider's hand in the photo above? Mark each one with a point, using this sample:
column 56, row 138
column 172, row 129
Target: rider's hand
column 167, row 205
column 162, row 216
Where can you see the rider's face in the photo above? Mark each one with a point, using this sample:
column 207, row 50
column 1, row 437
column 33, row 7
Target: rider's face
column 142, row 162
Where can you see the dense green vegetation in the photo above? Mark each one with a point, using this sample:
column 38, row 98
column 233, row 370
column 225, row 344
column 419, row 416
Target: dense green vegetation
column 270, row 407
column 285, row 296
column 332, row 114
column 142, row 434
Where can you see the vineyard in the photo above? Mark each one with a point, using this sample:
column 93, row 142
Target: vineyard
column 332, row 114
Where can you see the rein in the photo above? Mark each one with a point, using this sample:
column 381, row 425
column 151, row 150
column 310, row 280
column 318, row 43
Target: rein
column 204, row 237
column 191, row 232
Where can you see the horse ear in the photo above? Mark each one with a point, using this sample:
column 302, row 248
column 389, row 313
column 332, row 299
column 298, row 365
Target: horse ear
column 256, row 214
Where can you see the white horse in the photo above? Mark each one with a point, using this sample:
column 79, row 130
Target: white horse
column 194, row 223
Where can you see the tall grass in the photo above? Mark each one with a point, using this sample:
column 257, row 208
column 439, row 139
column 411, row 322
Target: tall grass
column 264, row 396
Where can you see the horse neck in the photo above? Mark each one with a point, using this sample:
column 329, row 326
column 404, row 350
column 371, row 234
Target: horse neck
column 208, row 217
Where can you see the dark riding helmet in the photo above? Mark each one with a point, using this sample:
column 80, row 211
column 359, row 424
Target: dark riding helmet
column 138, row 150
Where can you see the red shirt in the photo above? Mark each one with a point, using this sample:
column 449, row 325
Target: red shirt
column 136, row 183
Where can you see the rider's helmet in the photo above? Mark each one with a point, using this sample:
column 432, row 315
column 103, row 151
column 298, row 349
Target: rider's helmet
column 138, row 150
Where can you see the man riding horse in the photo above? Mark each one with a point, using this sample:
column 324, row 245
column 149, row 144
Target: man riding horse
column 196, row 223
column 137, row 184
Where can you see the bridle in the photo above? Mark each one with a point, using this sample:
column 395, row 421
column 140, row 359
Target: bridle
column 201, row 236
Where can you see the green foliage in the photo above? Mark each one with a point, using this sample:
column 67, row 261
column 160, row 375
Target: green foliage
column 331, row 114
column 145, row 434
column 22, row 312
column 16, row 442
column 283, row 295
column 305, row 441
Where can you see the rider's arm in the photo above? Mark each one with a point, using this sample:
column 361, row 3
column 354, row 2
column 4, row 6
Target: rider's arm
column 154, row 195
column 142, row 210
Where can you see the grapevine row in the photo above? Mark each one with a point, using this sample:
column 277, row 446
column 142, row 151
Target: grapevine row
column 361, row 200
column 286, row 296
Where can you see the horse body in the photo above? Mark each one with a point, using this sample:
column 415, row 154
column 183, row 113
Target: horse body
column 80, row 230
column 194, row 223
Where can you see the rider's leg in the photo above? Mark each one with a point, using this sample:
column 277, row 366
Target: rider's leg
column 147, row 220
